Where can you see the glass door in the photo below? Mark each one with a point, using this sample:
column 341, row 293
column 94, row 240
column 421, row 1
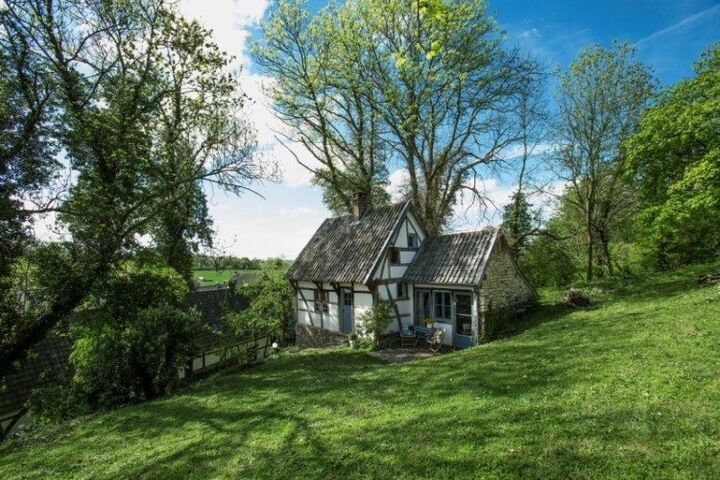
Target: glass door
column 423, row 307
column 463, row 320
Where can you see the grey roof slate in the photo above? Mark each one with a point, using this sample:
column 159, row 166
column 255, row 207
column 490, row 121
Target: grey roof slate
column 344, row 249
column 456, row 259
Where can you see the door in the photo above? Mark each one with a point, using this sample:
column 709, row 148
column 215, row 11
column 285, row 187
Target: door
column 346, row 317
column 423, row 306
column 463, row 320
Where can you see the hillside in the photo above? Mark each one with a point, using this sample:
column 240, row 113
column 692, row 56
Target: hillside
column 628, row 388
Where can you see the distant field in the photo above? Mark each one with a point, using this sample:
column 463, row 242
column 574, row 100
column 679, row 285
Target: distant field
column 213, row 277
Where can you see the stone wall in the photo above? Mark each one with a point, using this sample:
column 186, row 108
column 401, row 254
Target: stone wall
column 504, row 287
column 504, row 292
column 308, row 336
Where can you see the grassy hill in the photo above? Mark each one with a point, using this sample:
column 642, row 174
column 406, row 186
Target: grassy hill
column 630, row 388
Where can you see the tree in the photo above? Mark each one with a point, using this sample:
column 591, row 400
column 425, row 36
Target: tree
column 325, row 101
column 600, row 100
column 26, row 144
column 270, row 310
column 518, row 222
column 131, row 346
column 121, row 70
column 421, row 84
column 674, row 157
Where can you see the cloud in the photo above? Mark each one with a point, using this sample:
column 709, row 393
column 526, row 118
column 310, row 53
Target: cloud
column 232, row 23
column 682, row 24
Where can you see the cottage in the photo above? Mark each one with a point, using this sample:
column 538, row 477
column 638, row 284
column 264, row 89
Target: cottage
column 467, row 283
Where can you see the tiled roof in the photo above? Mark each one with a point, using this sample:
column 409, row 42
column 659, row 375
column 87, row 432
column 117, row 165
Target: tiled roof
column 344, row 249
column 457, row 259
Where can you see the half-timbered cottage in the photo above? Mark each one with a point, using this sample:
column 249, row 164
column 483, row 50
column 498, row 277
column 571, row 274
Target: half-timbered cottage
column 466, row 283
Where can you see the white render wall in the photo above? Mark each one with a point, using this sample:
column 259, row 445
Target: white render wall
column 362, row 301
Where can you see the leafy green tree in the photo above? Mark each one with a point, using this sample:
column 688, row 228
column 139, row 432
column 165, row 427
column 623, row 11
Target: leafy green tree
column 27, row 147
column 326, row 104
column 600, row 100
column 518, row 222
column 132, row 345
column 120, row 72
column 675, row 158
column 270, row 310
column 422, row 84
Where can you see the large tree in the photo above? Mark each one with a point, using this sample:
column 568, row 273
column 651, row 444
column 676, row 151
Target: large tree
column 600, row 100
column 26, row 144
column 423, row 85
column 675, row 158
column 147, row 111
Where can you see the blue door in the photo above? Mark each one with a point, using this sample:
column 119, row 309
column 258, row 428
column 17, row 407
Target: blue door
column 463, row 336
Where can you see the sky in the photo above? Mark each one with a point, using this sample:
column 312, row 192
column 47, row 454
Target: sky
column 668, row 34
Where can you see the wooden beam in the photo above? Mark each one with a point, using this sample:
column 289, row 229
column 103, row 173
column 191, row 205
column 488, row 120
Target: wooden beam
column 395, row 307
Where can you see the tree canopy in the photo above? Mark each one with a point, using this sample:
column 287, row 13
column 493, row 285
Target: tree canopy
column 426, row 86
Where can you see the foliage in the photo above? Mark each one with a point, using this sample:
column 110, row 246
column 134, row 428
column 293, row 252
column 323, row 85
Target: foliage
column 131, row 346
column 366, row 84
column 148, row 111
column 518, row 222
column 270, row 310
column 625, row 390
column 375, row 321
column 675, row 158
column 27, row 147
column 600, row 100
column 56, row 404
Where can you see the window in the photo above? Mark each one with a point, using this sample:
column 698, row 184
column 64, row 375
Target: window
column 402, row 291
column 443, row 306
column 463, row 313
column 413, row 241
column 394, row 256
column 321, row 301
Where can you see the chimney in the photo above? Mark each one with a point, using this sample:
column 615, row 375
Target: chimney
column 359, row 205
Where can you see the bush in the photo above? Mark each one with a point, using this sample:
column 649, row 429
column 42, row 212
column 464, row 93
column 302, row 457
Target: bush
column 131, row 347
column 376, row 320
column 270, row 310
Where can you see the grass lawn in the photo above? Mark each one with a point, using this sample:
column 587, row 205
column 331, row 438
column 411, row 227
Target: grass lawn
column 213, row 277
column 629, row 388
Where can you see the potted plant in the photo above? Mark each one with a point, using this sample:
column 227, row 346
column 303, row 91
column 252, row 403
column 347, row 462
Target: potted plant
column 353, row 338
column 429, row 321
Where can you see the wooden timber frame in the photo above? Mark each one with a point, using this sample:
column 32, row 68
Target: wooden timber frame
column 317, row 300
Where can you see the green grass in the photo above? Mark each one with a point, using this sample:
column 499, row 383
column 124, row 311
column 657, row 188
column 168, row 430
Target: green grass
column 629, row 388
column 213, row 277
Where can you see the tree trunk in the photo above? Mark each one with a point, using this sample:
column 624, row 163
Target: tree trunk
column 589, row 270
column 605, row 245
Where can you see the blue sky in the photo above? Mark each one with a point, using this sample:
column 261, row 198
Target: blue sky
column 669, row 35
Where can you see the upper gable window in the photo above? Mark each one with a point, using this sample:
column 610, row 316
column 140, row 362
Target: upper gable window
column 413, row 241
column 394, row 256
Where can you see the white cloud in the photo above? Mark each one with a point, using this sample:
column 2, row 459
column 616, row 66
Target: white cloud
column 679, row 26
column 398, row 182
column 231, row 22
column 516, row 151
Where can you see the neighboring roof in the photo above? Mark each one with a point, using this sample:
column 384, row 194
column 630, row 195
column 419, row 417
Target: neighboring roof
column 346, row 250
column 46, row 366
column 457, row 259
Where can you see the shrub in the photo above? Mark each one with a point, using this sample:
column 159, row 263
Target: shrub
column 131, row 346
column 270, row 310
column 376, row 320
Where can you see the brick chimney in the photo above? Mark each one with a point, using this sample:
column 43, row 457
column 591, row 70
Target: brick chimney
column 359, row 205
